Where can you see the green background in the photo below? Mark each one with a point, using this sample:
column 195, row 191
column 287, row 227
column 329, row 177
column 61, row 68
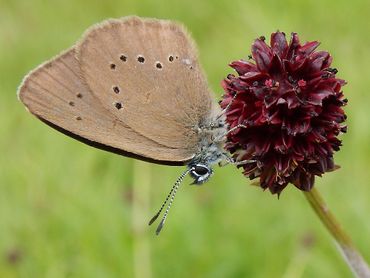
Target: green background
column 68, row 210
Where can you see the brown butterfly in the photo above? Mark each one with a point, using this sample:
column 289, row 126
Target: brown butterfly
column 133, row 86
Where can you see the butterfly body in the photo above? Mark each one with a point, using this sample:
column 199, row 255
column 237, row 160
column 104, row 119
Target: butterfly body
column 211, row 148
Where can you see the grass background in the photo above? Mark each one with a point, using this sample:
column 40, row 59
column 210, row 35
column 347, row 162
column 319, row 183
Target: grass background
column 67, row 210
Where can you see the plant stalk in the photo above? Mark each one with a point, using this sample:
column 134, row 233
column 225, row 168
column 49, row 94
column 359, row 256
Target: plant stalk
column 352, row 256
column 140, row 206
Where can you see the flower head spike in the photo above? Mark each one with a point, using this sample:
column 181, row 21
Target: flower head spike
column 290, row 102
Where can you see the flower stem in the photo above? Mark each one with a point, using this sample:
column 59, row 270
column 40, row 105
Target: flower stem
column 140, row 206
column 354, row 259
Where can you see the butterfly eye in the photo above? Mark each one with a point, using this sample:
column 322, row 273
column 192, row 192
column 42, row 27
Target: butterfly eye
column 200, row 173
column 201, row 170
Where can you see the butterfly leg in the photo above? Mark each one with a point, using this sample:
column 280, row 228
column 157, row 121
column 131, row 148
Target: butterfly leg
column 223, row 112
column 222, row 136
column 243, row 162
column 229, row 160
column 235, row 128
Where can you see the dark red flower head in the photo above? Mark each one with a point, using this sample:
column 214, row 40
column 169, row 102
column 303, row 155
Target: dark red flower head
column 290, row 103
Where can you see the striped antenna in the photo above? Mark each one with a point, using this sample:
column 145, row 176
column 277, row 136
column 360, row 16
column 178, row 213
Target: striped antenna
column 170, row 196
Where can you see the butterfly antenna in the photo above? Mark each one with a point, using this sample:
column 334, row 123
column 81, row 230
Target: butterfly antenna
column 170, row 196
column 160, row 210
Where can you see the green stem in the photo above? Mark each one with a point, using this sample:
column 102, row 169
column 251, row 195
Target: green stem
column 354, row 259
column 140, row 206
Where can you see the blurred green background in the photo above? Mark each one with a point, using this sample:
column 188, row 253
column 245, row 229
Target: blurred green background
column 68, row 210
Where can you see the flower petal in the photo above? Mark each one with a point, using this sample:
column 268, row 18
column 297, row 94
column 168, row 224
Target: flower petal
column 293, row 46
column 308, row 48
column 279, row 44
column 243, row 67
column 262, row 54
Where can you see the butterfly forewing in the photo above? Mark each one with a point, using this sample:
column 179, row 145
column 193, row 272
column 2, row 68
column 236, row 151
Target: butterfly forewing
column 146, row 73
column 56, row 94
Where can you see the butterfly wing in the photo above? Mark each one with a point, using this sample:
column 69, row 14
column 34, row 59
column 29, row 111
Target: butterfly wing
column 57, row 95
column 145, row 72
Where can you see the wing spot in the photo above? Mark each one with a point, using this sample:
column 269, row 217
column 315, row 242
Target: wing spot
column 79, row 95
column 158, row 65
column 123, row 58
column 170, row 58
column 78, row 118
column 71, row 103
column 112, row 66
column 141, row 59
column 177, row 57
column 118, row 105
column 116, row 89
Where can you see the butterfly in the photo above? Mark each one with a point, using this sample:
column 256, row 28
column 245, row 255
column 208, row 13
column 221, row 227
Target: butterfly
column 133, row 86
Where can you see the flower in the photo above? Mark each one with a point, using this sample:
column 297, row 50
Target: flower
column 288, row 102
